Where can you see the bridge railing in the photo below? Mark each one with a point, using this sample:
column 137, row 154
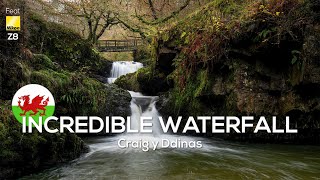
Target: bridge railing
column 119, row 45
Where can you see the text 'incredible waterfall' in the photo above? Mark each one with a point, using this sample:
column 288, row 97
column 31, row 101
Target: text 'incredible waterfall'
column 120, row 68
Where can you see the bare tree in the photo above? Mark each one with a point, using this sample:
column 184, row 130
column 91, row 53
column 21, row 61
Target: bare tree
column 162, row 14
column 150, row 16
column 145, row 17
column 99, row 15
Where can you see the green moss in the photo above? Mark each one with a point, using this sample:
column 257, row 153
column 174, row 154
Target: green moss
column 145, row 73
column 15, row 75
column 25, row 71
column 144, row 55
column 42, row 61
column 129, row 82
column 83, row 95
column 60, row 44
column 51, row 79
column 203, row 80
column 145, row 80
column 23, row 153
column 134, row 81
column 91, row 97
column 187, row 99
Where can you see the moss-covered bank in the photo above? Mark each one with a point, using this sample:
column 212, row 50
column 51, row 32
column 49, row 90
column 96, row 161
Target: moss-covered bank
column 250, row 58
column 26, row 153
column 59, row 59
column 245, row 58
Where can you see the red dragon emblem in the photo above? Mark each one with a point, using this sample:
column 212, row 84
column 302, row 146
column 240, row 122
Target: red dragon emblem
column 34, row 106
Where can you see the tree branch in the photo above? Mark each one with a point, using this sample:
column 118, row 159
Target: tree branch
column 136, row 30
column 97, row 20
column 153, row 10
column 162, row 20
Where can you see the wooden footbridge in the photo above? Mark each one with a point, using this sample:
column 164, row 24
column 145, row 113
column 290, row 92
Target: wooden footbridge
column 119, row 45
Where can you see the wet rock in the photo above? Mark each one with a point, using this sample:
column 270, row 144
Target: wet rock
column 146, row 81
column 118, row 101
column 103, row 69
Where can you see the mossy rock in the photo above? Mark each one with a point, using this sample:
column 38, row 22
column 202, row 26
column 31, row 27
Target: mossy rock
column 143, row 55
column 42, row 61
column 27, row 153
column 145, row 81
column 117, row 101
column 129, row 82
column 84, row 95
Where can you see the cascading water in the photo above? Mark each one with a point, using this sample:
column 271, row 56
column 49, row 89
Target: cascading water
column 140, row 105
column 144, row 106
column 120, row 68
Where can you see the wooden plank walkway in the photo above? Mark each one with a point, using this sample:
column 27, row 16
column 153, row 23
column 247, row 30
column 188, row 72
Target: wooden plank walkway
column 119, row 45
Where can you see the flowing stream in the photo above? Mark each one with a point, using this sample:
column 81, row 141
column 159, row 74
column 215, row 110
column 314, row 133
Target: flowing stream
column 217, row 159
column 120, row 68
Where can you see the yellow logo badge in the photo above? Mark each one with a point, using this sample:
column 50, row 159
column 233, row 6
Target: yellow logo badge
column 13, row 23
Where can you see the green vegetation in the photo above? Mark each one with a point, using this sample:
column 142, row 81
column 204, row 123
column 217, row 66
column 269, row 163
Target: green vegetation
column 145, row 80
column 25, row 153
column 63, row 62
column 144, row 55
column 238, row 58
column 229, row 57
column 216, row 36
column 61, row 45
column 65, row 69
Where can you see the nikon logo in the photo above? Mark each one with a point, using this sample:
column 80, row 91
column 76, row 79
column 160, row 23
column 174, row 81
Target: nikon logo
column 13, row 23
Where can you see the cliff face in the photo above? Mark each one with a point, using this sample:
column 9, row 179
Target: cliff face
column 250, row 58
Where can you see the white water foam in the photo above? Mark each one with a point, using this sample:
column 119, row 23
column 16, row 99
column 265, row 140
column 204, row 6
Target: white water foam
column 145, row 106
column 120, row 68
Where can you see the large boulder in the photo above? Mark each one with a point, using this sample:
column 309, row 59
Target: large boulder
column 146, row 81
column 118, row 101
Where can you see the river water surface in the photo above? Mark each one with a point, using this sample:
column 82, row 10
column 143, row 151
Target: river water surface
column 216, row 160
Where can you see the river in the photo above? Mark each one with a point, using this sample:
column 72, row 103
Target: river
column 217, row 159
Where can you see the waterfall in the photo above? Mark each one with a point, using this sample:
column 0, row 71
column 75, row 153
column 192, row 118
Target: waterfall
column 144, row 106
column 141, row 106
column 120, row 68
